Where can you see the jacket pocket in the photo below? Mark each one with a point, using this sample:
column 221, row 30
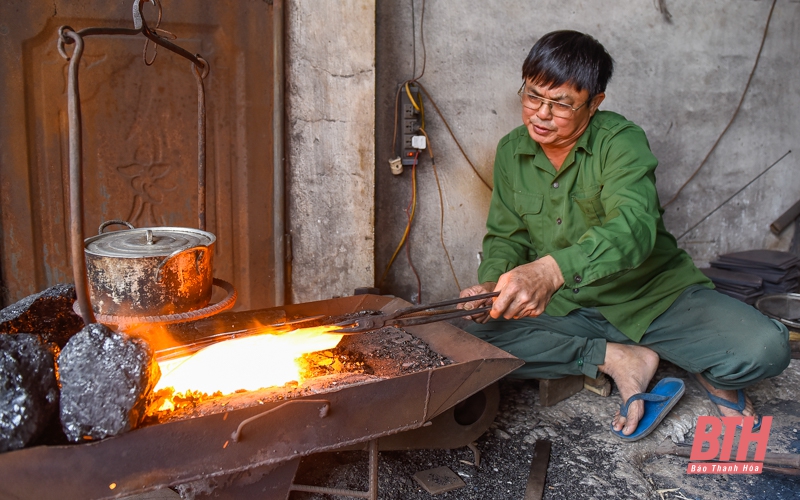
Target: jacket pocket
column 528, row 203
column 591, row 207
column 529, row 208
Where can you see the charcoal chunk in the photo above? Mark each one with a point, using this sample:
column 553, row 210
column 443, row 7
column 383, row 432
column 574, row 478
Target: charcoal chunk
column 48, row 313
column 28, row 389
column 106, row 381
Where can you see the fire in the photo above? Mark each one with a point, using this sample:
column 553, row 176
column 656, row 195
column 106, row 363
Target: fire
column 245, row 364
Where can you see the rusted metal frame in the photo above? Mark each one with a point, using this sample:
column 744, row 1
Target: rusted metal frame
column 200, row 68
column 371, row 493
column 280, row 241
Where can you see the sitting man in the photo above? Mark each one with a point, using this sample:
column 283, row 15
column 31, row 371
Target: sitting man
column 588, row 277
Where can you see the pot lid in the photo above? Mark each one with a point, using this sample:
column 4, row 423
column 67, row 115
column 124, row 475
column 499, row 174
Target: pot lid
column 147, row 242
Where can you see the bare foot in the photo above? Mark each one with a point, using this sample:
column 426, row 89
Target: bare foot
column 631, row 367
column 731, row 396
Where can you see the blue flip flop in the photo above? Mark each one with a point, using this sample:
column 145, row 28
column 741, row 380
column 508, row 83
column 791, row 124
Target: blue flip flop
column 739, row 406
column 657, row 404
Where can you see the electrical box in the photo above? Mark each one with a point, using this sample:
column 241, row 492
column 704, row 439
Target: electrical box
column 409, row 122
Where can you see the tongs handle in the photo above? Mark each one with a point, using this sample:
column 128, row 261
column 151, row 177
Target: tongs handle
column 406, row 317
column 460, row 300
column 399, row 319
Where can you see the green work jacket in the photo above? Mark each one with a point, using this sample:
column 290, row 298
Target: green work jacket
column 598, row 216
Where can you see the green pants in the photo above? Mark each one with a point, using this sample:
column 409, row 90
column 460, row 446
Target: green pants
column 731, row 343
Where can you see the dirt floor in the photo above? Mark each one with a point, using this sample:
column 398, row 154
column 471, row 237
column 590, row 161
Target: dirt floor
column 587, row 461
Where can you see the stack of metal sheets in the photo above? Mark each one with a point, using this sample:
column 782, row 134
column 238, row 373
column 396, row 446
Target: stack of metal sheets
column 748, row 275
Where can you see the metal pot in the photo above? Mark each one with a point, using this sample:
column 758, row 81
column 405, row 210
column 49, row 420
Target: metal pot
column 151, row 271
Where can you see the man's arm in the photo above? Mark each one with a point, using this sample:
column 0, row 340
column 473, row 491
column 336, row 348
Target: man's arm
column 507, row 243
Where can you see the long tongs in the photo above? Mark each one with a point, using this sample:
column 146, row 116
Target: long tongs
column 414, row 315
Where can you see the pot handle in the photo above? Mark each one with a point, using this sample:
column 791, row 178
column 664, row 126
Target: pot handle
column 200, row 249
column 113, row 222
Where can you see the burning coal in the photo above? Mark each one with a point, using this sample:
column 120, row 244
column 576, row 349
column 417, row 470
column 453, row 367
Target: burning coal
column 245, row 364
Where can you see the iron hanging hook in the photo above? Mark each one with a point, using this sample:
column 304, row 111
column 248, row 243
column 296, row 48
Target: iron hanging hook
column 63, row 40
column 162, row 33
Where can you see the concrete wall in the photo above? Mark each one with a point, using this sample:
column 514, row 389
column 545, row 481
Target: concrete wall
column 330, row 100
column 679, row 80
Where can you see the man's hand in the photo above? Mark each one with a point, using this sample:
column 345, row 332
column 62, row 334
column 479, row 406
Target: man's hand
column 487, row 287
column 526, row 290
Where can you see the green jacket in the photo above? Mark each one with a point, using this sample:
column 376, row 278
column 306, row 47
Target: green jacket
column 598, row 216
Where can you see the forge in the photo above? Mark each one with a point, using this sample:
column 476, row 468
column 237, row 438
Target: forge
column 252, row 441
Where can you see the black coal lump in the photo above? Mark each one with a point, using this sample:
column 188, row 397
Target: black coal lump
column 28, row 389
column 106, row 380
column 48, row 313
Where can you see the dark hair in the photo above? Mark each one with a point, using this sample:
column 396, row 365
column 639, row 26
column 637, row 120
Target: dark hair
column 561, row 57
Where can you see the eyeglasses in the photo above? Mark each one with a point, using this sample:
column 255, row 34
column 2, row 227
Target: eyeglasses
column 534, row 102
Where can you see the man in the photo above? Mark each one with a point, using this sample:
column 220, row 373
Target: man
column 589, row 278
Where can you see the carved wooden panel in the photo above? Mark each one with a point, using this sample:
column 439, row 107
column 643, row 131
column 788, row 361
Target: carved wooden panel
column 139, row 135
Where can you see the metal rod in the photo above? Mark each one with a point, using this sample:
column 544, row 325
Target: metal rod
column 323, row 412
column 76, row 182
column 733, row 195
column 370, row 494
column 373, row 469
column 785, row 219
column 278, row 160
column 140, row 26
column 200, row 73
column 332, row 491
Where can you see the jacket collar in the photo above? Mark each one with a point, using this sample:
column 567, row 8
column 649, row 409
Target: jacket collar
column 527, row 146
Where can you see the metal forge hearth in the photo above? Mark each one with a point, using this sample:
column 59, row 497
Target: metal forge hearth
column 257, row 448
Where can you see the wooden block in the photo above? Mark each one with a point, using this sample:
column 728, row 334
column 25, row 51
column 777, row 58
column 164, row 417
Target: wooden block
column 551, row 391
column 600, row 385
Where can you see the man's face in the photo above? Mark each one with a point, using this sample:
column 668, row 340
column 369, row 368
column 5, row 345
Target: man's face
column 554, row 131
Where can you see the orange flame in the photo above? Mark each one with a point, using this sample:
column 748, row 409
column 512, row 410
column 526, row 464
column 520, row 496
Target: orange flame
column 247, row 363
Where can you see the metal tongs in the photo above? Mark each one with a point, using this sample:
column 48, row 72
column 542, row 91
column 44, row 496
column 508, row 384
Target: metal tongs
column 414, row 315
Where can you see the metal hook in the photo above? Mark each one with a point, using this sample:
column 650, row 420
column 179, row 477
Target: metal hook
column 156, row 32
column 205, row 69
column 63, row 39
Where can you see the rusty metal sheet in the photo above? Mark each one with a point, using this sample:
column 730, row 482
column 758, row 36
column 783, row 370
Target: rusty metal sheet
column 139, row 136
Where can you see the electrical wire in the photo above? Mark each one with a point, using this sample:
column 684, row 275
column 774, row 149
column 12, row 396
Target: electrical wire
column 420, row 107
column 422, row 39
column 441, row 210
column 411, row 212
column 447, row 125
column 736, row 111
column 413, row 40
